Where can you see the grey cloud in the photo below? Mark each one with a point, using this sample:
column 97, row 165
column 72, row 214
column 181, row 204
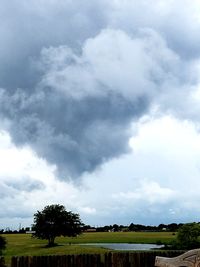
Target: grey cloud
column 14, row 196
column 27, row 27
column 5, row 191
column 78, row 126
column 11, row 188
column 75, row 135
column 26, row 184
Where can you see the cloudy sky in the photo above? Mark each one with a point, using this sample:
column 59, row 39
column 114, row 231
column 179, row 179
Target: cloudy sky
column 100, row 110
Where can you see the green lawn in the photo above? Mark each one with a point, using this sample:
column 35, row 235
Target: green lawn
column 24, row 244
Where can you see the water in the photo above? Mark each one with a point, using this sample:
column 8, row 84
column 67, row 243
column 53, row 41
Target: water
column 124, row 246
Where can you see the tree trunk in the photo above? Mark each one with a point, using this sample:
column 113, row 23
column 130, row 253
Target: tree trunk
column 51, row 241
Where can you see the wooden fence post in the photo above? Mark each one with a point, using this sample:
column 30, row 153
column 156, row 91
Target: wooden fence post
column 14, row 262
column 120, row 260
column 108, row 260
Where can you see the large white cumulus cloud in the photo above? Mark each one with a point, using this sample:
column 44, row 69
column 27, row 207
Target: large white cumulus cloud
column 113, row 62
column 177, row 21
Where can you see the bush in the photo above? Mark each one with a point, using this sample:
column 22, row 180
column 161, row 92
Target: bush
column 159, row 242
column 187, row 237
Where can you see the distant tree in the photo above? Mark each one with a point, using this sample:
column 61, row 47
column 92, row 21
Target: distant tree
column 173, row 227
column 22, row 231
column 115, row 228
column 54, row 221
column 132, row 227
column 2, row 244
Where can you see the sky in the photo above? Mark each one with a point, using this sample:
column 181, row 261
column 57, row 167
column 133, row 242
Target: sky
column 100, row 110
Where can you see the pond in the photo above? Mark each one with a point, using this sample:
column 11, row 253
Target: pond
column 124, row 246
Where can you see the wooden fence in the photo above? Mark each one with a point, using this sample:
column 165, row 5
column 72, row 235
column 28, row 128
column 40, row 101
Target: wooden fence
column 133, row 259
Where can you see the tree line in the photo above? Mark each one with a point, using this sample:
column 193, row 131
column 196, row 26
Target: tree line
column 172, row 227
column 54, row 221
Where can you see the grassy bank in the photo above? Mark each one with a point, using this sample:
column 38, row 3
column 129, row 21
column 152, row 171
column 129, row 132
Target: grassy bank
column 24, row 244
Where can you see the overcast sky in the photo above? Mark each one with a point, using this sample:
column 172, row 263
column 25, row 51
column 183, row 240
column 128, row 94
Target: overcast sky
column 100, row 110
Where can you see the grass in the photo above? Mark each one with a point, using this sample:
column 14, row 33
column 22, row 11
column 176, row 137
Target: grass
column 25, row 245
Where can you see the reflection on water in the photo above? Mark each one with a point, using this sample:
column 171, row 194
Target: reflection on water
column 124, row 246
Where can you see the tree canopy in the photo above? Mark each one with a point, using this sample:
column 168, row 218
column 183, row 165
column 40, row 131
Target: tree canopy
column 54, row 221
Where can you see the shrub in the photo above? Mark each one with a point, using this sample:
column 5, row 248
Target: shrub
column 187, row 237
column 2, row 244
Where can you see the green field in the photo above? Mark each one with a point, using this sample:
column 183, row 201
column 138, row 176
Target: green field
column 24, row 244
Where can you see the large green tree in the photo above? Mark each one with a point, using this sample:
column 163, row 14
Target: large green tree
column 54, row 221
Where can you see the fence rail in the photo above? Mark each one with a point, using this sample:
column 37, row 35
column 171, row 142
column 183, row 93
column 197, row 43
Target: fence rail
column 133, row 259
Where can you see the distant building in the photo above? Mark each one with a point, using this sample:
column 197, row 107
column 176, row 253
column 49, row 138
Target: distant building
column 90, row 230
column 30, row 232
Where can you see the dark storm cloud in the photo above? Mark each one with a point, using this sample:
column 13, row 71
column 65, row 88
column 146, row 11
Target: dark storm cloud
column 74, row 75
column 75, row 135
